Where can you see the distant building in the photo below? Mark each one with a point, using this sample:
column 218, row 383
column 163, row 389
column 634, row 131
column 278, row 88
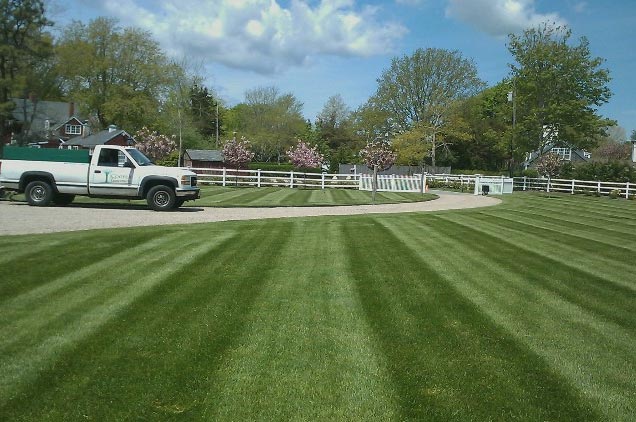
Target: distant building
column 110, row 136
column 45, row 123
column 565, row 153
column 203, row 158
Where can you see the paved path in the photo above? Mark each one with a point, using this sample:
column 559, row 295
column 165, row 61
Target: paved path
column 20, row 218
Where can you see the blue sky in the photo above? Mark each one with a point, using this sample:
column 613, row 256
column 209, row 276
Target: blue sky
column 319, row 48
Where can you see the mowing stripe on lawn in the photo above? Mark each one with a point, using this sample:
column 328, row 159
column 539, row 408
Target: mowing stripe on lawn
column 49, row 257
column 582, row 229
column 166, row 346
column 600, row 295
column 53, row 325
column 594, row 355
column 566, row 217
column 598, row 216
column 306, row 354
column 553, row 244
column 448, row 360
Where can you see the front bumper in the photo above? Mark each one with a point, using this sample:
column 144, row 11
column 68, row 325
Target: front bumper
column 188, row 194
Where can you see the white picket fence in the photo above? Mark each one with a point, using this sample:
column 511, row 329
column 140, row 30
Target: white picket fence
column 574, row 186
column 392, row 183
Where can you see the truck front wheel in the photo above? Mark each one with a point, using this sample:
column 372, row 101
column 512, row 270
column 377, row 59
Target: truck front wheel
column 39, row 193
column 161, row 198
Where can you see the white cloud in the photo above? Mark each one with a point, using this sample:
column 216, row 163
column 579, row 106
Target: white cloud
column 260, row 35
column 500, row 17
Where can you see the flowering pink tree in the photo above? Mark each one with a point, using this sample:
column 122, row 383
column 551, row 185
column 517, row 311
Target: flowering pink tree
column 304, row 155
column 152, row 144
column 237, row 153
column 379, row 156
column 549, row 165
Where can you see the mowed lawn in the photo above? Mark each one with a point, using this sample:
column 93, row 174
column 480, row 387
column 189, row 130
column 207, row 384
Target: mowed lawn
column 220, row 196
column 523, row 311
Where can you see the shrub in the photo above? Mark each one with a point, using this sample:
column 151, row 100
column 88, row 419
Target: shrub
column 614, row 194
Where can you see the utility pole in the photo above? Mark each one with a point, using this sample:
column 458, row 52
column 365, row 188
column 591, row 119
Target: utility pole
column 512, row 97
column 217, row 125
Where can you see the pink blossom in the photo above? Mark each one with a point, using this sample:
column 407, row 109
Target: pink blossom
column 154, row 145
column 236, row 152
column 378, row 153
column 304, row 155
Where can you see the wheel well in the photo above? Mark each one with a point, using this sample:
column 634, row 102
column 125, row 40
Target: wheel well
column 146, row 185
column 43, row 177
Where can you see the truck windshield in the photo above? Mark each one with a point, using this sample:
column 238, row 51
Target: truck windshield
column 139, row 157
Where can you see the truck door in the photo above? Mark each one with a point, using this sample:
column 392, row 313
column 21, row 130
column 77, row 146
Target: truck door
column 113, row 174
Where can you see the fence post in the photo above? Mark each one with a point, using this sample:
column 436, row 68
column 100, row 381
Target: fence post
column 291, row 179
column 258, row 178
column 525, row 179
column 322, row 182
column 392, row 184
column 224, row 174
column 627, row 190
column 548, row 186
column 476, row 185
column 598, row 188
column 572, row 186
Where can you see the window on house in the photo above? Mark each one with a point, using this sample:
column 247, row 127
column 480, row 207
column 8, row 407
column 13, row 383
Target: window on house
column 73, row 129
column 564, row 153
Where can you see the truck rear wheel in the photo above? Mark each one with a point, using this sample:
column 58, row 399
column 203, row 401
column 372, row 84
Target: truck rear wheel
column 161, row 198
column 39, row 193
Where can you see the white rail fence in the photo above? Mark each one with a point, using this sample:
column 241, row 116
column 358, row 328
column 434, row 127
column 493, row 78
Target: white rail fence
column 415, row 183
column 625, row 189
column 260, row 178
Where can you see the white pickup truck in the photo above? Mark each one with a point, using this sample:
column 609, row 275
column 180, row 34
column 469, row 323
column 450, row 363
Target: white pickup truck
column 56, row 176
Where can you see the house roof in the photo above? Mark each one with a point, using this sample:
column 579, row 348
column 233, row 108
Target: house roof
column 205, row 155
column 55, row 112
column 100, row 138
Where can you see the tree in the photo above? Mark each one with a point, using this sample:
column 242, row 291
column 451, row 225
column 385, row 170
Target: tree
column 271, row 119
column 24, row 44
column 206, row 112
column 559, row 87
column 549, row 165
column 154, row 145
column 237, row 152
column 302, row 155
column 118, row 74
column 488, row 126
column 379, row 156
column 419, row 91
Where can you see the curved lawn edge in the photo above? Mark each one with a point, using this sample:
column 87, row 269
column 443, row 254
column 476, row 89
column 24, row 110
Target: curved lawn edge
column 77, row 217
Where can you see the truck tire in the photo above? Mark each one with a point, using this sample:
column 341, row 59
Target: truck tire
column 161, row 198
column 39, row 193
column 63, row 199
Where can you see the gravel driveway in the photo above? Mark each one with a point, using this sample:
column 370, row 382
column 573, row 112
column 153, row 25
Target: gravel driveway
column 20, row 218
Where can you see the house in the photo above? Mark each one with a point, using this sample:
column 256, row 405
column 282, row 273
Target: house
column 565, row 153
column 203, row 158
column 45, row 123
column 110, row 136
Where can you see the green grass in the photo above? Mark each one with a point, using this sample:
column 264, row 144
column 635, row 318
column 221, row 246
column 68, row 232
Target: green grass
column 218, row 196
column 523, row 311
